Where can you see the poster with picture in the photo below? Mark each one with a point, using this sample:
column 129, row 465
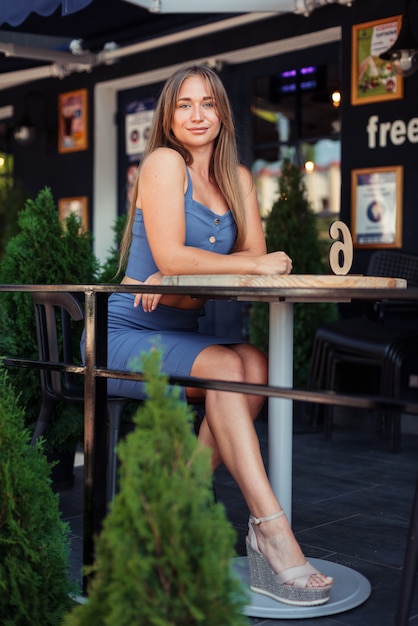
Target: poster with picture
column 377, row 207
column 374, row 79
column 72, row 121
column 131, row 174
column 138, row 120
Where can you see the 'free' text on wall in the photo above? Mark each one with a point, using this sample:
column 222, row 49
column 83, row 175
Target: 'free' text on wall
column 379, row 134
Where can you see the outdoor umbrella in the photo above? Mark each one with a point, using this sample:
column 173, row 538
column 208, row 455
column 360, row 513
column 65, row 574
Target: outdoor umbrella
column 14, row 13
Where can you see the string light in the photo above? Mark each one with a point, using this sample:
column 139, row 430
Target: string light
column 336, row 98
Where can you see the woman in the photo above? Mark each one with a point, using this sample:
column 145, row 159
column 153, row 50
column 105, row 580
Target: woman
column 195, row 212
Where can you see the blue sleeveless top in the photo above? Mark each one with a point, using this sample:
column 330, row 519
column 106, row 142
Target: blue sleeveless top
column 204, row 229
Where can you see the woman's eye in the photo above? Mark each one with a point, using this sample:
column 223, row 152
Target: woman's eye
column 208, row 105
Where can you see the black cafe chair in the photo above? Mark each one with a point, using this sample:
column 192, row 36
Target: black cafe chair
column 382, row 341
column 55, row 314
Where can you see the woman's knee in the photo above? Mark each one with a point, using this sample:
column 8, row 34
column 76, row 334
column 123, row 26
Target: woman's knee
column 219, row 362
column 255, row 362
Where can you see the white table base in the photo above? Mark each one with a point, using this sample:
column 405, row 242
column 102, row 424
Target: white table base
column 350, row 588
column 280, row 424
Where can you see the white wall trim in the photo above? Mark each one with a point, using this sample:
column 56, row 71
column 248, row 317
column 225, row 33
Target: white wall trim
column 105, row 199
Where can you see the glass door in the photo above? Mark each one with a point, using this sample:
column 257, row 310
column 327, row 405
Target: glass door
column 295, row 115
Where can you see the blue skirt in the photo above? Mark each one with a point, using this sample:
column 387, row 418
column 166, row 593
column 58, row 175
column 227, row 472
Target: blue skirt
column 131, row 331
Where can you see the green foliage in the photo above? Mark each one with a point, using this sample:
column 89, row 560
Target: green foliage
column 292, row 227
column 7, row 345
column 164, row 555
column 109, row 272
column 44, row 252
column 34, row 542
column 12, row 199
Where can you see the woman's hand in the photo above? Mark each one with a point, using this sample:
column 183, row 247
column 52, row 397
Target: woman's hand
column 149, row 300
column 274, row 263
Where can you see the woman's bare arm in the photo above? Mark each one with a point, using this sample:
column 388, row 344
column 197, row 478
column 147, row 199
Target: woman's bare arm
column 162, row 185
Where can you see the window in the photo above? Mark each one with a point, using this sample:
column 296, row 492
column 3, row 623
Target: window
column 296, row 115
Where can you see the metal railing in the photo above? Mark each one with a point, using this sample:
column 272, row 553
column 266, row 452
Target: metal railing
column 96, row 373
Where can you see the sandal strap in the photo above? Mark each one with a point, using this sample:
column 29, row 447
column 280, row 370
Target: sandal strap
column 258, row 520
column 300, row 574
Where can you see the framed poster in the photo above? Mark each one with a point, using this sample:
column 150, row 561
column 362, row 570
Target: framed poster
column 373, row 79
column 74, row 205
column 72, row 121
column 138, row 120
column 376, row 207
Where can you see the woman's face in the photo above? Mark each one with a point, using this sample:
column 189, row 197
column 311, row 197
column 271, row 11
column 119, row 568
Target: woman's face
column 195, row 121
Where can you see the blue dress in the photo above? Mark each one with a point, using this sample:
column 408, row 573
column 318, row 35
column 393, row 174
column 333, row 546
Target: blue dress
column 174, row 331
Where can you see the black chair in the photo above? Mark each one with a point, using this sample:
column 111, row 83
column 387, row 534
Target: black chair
column 382, row 341
column 55, row 314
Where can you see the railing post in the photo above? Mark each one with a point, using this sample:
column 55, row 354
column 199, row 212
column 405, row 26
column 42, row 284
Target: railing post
column 95, row 404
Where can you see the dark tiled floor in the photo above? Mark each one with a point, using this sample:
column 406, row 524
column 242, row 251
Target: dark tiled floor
column 352, row 499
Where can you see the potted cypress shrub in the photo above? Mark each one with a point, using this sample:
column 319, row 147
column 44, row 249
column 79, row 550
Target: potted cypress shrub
column 34, row 542
column 12, row 198
column 292, row 226
column 164, row 554
column 109, row 270
column 44, row 251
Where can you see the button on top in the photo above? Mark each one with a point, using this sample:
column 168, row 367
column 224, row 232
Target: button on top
column 217, row 221
column 212, row 239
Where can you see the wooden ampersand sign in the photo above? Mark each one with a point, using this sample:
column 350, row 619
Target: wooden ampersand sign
column 340, row 254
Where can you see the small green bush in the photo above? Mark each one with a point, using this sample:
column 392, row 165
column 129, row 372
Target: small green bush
column 292, row 226
column 45, row 252
column 164, row 555
column 34, row 543
column 7, row 345
column 109, row 271
column 12, row 198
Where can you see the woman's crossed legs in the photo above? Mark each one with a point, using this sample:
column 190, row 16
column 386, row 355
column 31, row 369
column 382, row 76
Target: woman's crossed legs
column 228, row 429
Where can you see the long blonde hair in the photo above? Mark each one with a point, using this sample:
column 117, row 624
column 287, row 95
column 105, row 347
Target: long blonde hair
column 224, row 162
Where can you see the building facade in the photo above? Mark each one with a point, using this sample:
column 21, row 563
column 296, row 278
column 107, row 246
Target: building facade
column 280, row 71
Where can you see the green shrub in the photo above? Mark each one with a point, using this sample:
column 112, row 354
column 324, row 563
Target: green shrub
column 292, row 226
column 34, row 542
column 109, row 271
column 12, row 198
column 45, row 252
column 7, row 345
column 164, row 555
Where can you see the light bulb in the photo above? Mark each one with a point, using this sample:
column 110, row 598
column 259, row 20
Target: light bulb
column 24, row 135
column 336, row 98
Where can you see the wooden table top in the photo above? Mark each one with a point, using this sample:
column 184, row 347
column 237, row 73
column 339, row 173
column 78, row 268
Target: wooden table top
column 309, row 281
column 292, row 287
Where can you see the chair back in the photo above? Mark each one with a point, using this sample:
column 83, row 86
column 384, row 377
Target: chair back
column 402, row 314
column 394, row 264
column 54, row 314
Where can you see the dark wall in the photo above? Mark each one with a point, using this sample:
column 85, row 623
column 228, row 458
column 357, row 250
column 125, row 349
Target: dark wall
column 40, row 164
column 357, row 150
